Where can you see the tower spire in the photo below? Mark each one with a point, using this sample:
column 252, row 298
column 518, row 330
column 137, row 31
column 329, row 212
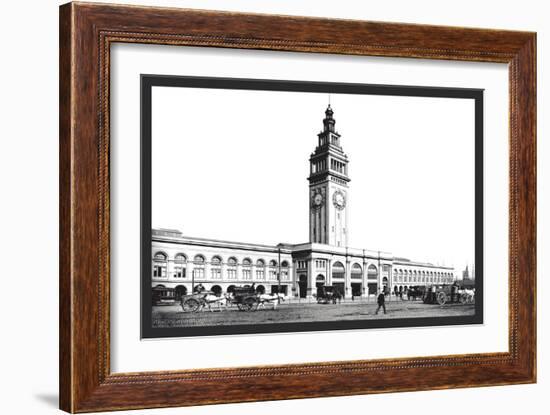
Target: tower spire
column 329, row 120
column 328, row 186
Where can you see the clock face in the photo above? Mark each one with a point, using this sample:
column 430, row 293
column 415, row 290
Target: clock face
column 317, row 199
column 339, row 199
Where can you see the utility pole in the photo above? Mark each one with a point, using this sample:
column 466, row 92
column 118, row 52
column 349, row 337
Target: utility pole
column 380, row 276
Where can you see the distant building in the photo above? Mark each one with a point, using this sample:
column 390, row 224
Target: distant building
column 468, row 278
column 181, row 262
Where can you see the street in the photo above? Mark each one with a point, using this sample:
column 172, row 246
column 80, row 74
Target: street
column 173, row 315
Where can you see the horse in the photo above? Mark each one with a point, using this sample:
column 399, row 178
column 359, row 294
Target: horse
column 270, row 299
column 210, row 299
column 469, row 294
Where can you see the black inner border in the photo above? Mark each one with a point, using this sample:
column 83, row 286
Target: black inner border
column 148, row 81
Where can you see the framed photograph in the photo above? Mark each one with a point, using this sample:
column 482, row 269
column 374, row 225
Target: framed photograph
column 270, row 202
column 197, row 285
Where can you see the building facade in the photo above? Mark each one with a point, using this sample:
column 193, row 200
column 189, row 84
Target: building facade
column 181, row 263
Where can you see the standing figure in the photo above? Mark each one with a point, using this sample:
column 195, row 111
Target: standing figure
column 381, row 302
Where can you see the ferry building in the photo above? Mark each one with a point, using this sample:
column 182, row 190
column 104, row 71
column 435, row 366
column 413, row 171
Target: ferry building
column 182, row 262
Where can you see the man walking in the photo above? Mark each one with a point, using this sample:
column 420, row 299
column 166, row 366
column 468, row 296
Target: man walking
column 381, row 302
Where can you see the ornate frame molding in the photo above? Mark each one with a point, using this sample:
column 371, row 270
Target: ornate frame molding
column 86, row 34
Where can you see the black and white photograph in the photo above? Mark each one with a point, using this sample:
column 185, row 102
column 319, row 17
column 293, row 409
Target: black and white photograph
column 286, row 206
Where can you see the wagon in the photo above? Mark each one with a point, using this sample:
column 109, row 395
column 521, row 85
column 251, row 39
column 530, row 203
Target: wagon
column 245, row 298
column 416, row 291
column 193, row 302
column 443, row 294
column 328, row 294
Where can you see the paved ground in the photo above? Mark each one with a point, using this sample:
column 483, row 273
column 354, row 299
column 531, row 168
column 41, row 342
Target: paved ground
column 173, row 316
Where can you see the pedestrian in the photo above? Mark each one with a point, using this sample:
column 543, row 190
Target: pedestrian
column 381, row 302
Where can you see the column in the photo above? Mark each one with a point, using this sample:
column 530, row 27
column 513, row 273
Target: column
column 294, row 286
column 169, row 268
column 310, row 282
column 365, row 278
column 329, row 272
column 347, row 279
column 207, row 276
column 238, row 271
column 390, row 279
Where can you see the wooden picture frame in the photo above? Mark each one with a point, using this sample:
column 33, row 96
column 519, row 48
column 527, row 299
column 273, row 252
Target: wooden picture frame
column 86, row 33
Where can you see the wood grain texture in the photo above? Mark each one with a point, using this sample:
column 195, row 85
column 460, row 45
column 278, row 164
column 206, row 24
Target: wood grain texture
column 86, row 33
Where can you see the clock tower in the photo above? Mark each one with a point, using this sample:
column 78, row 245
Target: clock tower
column 328, row 187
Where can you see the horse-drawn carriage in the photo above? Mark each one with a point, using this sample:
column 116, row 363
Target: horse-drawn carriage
column 447, row 293
column 328, row 294
column 416, row 291
column 245, row 298
column 195, row 302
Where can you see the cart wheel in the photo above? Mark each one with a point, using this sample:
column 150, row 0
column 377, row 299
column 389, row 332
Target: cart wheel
column 463, row 299
column 249, row 303
column 441, row 298
column 190, row 305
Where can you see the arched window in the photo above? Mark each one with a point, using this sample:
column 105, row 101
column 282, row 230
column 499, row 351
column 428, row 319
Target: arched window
column 232, row 268
column 272, row 270
column 284, row 271
column 372, row 272
column 260, row 269
column 180, row 266
column 159, row 265
column 216, row 268
column 356, row 272
column 198, row 267
column 338, row 270
column 247, row 269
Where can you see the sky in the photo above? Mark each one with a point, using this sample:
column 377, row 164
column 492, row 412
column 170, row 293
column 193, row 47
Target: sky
column 233, row 165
